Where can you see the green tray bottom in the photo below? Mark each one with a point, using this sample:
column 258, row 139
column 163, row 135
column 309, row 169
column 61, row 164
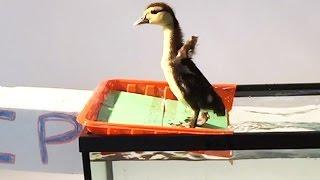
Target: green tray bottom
column 130, row 108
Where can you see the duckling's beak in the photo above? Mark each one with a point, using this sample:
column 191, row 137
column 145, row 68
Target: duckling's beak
column 142, row 20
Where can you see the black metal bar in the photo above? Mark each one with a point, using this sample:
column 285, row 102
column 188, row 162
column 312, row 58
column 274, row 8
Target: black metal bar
column 258, row 90
column 86, row 165
column 237, row 141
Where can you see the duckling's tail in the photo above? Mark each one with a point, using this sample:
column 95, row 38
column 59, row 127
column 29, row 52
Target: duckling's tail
column 218, row 105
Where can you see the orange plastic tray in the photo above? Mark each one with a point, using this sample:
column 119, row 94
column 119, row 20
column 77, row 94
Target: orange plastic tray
column 88, row 116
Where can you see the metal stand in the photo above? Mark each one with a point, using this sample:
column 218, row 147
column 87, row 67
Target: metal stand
column 237, row 141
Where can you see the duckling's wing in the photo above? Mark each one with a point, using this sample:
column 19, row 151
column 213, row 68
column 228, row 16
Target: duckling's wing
column 188, row 49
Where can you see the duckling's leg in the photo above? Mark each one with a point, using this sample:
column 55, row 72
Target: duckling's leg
column 194, row 118
column 203, row 118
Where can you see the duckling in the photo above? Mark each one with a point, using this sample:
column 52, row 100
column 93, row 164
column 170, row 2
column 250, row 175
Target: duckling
column 185, row 80
column 186, row 52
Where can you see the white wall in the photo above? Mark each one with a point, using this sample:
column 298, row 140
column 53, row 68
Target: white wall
column 38, row 129
column 78, row 43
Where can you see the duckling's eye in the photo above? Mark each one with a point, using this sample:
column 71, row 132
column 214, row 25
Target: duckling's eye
column 154, row 12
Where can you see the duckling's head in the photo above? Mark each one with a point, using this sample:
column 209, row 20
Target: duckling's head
column 159, row 14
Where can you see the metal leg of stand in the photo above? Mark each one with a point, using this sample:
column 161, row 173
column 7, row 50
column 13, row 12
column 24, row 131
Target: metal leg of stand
column 109, row 167
column 86, row 166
